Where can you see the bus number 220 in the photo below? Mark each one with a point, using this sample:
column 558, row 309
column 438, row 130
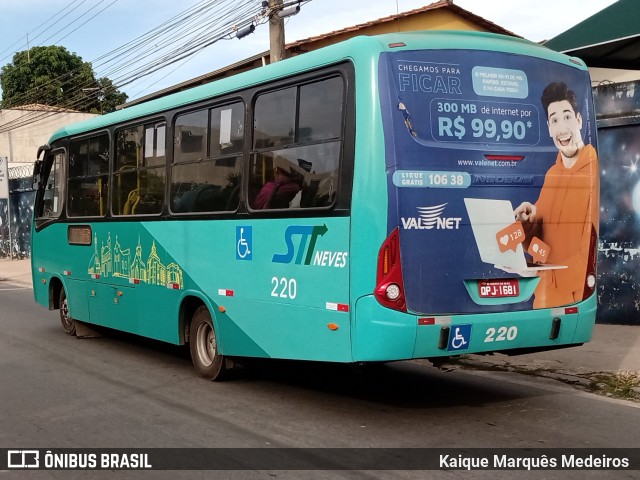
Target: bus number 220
column 284, row 287
column 503, row 333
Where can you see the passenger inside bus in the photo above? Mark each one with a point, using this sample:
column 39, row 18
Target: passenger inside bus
column 279, row 192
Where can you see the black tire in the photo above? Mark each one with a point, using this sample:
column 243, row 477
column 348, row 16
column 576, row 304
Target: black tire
column 68, row 323
column 203, row 345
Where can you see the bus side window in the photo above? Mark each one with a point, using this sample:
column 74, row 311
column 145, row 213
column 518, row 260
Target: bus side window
column 274, row 119
column 51, row 203
column 305, row 173
column 88, row 188
column 140, row 170
column 320, row 113
column 207, row 155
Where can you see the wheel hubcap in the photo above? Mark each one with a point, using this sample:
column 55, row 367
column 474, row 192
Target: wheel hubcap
column 64, row 311
column 206, row 344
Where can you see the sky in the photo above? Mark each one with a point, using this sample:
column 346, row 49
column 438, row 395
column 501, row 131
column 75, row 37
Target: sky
column 101, row 26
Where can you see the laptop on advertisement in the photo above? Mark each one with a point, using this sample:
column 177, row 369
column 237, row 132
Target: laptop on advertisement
column 488, row 217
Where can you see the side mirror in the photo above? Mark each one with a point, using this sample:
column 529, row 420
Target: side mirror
column 37, row 168
column 44, row 148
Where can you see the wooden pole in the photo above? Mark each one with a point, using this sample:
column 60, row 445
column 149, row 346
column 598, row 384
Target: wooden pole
column 276, row 32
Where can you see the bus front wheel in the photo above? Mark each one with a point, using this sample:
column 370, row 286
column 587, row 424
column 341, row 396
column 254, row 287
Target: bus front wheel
column 68, row 323
column 208, row 362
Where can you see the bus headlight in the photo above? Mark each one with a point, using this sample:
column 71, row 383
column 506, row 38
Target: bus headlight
column 591, row 281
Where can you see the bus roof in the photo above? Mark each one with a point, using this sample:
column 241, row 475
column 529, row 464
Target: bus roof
column 360, row 50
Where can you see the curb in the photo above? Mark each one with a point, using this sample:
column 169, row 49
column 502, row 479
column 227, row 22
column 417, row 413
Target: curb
column 621, row 385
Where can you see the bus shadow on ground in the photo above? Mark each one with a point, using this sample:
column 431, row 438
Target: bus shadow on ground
column 403, row 384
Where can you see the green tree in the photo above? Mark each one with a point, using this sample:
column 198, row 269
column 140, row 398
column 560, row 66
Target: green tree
column 109, row 96
column 54, row 76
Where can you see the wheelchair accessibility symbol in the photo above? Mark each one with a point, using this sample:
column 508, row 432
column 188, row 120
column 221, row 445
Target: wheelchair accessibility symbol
column 244, row 244
column 459, row 337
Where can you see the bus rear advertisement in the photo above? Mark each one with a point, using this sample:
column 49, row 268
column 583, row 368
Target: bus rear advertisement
column 410, row 195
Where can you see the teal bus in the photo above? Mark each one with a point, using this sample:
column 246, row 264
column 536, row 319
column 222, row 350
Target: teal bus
column 403, row 196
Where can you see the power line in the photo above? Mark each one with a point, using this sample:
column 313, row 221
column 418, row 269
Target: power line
column 128, row 69
column 63, row 16
column 60, row 13
column 78, row 19
column 243, row 14
column 195, row 32
column 132, row 49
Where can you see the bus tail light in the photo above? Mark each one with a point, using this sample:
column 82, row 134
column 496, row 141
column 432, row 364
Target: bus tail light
column 389, row 289
column 590, row 280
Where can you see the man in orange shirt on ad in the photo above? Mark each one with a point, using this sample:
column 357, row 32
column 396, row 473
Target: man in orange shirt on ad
column 565, row 215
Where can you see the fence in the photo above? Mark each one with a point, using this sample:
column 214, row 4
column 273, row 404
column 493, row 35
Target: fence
column 17, row 242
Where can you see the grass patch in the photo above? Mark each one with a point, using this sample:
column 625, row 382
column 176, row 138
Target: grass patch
column 620, row 385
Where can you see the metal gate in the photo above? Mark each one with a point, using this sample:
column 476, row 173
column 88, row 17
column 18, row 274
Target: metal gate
column 16, row 214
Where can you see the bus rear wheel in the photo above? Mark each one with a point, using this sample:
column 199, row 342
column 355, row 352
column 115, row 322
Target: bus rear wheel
column 208, row 362
column 68, row 323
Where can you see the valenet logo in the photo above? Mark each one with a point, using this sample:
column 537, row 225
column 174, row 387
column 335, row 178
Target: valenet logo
column 430, row 218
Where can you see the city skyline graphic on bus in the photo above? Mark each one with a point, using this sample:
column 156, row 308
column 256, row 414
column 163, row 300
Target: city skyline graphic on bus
column 115, row 261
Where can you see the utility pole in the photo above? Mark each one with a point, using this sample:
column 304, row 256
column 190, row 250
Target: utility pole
column 5, row 193
column 276, row 31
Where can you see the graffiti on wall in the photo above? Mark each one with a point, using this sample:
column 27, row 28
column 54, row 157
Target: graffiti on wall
column 618, row 109
column 22, row 199
column 17, row 215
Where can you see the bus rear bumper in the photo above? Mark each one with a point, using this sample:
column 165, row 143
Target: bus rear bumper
column 381, row 334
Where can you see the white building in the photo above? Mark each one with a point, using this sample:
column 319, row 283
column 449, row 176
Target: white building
column 24, row 129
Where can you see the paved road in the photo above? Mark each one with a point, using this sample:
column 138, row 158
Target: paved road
column 122, row 391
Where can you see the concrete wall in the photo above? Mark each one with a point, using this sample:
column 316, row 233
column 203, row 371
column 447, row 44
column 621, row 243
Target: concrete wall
column 29, row 129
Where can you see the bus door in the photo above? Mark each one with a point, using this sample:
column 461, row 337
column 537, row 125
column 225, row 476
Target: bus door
column 111, row 299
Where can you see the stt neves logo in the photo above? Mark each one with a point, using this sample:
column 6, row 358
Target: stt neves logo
column 302, row 233
column 23, row 459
